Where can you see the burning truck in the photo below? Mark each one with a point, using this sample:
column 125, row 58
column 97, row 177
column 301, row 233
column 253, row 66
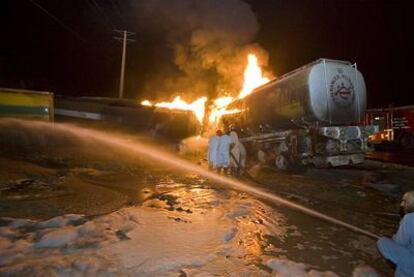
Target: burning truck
column 307, row 116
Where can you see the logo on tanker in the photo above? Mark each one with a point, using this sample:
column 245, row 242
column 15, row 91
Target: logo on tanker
column 342, row 90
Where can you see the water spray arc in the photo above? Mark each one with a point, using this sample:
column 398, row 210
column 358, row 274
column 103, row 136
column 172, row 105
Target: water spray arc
column 171, row 160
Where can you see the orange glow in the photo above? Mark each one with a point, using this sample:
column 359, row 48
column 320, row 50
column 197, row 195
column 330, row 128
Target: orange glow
column 197, row 107
column 253, row 76
column 146, row 103
column 219, row 109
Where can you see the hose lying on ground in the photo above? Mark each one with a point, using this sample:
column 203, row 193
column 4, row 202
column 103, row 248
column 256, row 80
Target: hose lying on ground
column 308, row 211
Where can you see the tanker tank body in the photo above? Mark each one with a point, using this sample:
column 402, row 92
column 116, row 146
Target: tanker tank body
column 307, row 116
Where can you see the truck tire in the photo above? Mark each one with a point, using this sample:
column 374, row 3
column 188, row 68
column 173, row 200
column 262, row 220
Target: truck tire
column 282, row 162
column 320, row 163
column 407, row 141
column 298, row 167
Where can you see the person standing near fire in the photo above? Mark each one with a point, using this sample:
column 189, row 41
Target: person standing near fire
column 400, row 249
column 219, row 152
column 237, row 153
column 223, row 153
column 212, row 155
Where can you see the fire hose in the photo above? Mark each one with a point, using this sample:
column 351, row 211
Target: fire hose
column 308, row 211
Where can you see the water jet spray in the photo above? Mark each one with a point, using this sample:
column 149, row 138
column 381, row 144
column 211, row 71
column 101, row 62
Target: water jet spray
column 171, row 160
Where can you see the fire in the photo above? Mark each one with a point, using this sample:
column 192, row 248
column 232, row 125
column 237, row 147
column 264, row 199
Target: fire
column 197, row 107
column 253, row 78
column 219, row 109
column 146, row 103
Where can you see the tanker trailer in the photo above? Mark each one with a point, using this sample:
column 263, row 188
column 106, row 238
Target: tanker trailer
column 307, row 116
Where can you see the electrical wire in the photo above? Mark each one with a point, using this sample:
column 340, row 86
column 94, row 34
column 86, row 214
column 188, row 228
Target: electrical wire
column 69, row 29
column 118, row 8
column 60, row 22
column 100, row 11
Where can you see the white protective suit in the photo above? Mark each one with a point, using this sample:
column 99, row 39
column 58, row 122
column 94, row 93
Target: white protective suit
column 212, row 156
column 400, row 249
column 223, row 152
column 238, row 152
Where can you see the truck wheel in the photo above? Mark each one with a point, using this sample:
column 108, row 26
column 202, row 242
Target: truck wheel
column 281, row 162
column 407, row 141
column 298, row 166
column 320, row 163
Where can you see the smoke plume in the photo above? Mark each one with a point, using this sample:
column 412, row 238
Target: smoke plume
column 208, row 41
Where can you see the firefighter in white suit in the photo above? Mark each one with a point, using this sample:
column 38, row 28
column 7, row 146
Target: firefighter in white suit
column 237, row 153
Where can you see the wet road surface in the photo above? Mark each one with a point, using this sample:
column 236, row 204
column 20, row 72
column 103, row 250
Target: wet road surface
column 54, row 174
column 393, row 156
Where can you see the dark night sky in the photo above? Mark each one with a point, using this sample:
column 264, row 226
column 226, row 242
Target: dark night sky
column 38, row 53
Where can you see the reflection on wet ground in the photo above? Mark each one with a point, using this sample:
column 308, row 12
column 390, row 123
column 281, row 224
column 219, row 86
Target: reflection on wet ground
column 82, row 177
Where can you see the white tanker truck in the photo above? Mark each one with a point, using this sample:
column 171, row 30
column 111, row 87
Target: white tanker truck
column 308, row 116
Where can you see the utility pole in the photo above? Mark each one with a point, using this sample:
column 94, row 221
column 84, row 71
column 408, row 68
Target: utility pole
column 124, row 40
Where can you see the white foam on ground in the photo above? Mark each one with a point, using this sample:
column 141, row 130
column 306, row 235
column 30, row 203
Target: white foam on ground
column 59, row 221
column 58, row 238
column 152, row 240
column 287, row 268
column 170, row 243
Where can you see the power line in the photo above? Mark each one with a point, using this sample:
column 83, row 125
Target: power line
column 67, row 28
column 61, row 23
column 95, row 14
column 118, row 9
column 101, row 11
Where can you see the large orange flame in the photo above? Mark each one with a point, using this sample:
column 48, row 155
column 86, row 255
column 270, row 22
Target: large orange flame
column 253, row 78
column 219, row 108
column 197, row 107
